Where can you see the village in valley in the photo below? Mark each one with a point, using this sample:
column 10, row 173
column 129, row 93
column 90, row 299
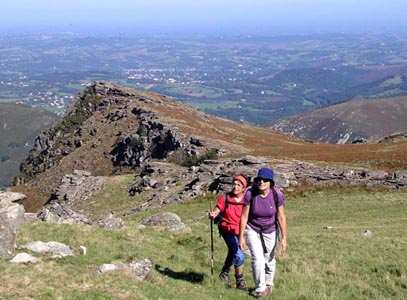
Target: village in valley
column 251, row 79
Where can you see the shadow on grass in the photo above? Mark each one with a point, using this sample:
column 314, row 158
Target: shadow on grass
column 187, row 276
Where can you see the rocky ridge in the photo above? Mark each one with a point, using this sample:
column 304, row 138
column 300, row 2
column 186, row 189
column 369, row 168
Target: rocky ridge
column 159, row 184
column 107, row 130
column 175, row 151
column 147, row 135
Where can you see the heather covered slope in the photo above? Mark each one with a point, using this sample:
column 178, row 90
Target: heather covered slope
column 356, row 120
column 111, row 130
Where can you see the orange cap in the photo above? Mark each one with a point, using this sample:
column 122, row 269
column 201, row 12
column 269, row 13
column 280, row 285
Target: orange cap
column 241, row 179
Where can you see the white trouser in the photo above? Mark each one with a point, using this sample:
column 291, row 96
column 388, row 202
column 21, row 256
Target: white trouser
column 263, row 264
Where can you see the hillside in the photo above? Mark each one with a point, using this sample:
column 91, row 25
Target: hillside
column 110, row 129
column 336, row 263
column 19, row 125
column 347, row 122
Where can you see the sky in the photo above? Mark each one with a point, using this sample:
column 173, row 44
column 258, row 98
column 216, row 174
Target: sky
column 204, row 16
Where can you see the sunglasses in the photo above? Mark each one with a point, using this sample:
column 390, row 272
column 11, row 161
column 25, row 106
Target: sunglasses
column 257, row 180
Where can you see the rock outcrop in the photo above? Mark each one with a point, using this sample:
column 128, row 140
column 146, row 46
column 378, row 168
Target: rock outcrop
column 11, row 216
column 160, row 184
column 109, row 222
column 157, row 180
column 138, row 270
column 25, row 258
column 78, row 186
column 167, row 185
column 141, row 134
column 57, row 249
column 170, row 221
column 61, row 213
column 107, row 130
column 329, row 175
column 73, row 188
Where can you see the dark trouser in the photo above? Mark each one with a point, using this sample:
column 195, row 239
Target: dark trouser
column 235, row 255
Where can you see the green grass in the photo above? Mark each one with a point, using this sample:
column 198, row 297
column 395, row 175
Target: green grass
column 391, row 81
column 388, row 93
column 319, row 264
column 192, row 89
column 272, row 93
column 340, row 263
column 78, row 87
column 307, row 103
column 289, row 86
column 9, row 95
column 215, row 104
column 54, row 109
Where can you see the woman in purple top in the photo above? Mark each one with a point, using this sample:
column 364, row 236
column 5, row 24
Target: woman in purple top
column 263, row 213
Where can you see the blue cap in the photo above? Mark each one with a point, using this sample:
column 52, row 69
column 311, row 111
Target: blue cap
column 265, row 173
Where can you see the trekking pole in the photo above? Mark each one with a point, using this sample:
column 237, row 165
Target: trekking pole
column 211, row 220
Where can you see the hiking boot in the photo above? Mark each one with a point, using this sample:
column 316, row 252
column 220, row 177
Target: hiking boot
column 263, row 293
column 241, row 284
column 224, row 276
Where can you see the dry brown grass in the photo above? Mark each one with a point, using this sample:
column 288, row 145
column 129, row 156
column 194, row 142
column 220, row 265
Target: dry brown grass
column 254, row 140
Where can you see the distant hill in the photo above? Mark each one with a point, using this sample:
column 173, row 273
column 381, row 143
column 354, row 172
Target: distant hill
column 109, row 129
column 348, row 122
column 19, row 125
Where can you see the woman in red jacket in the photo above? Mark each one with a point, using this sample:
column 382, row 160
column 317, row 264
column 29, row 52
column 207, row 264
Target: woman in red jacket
column 229, row 206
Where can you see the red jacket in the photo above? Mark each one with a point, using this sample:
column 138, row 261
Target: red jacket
column 231, row 216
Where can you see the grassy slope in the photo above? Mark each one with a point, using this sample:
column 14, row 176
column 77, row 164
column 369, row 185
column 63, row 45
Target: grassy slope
column 19, row 125
column 320, row 264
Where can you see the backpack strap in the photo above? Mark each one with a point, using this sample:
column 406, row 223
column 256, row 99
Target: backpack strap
column 227, row 203
column 275, row 197
column 219, row 218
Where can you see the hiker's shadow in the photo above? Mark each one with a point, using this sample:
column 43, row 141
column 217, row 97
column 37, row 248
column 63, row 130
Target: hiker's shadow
column 187, row 276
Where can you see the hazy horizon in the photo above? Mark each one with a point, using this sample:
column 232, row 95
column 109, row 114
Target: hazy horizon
column 185, row 16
